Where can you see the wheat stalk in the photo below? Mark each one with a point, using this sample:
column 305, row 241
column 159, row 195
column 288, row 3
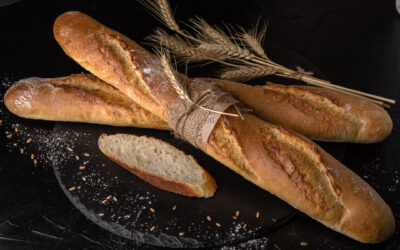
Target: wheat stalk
column 177, row 45
column 254, row 38
column 245, row 73
column 207, row 33
column 179, row 87
column 212, row 44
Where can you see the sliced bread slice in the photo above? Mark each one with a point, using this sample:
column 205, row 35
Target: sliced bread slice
column 159, row 163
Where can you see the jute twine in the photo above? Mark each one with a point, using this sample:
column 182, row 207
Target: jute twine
column 191, row 122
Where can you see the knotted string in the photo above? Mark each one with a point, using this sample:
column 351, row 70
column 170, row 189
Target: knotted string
column 189, row 120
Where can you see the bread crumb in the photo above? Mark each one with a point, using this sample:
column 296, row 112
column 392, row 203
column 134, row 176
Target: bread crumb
column 244, row 226
column 35, row 161
column 115, row 198
column 83, row 178
column 257, row 214
column 82, row 167
column 72, row 188
column 104, row 201
column 152, row 210
column 303, row 244
column 32, row 156
column 109, row 197
column 16, row 130
column 217, row 224
column 237, row 214
column 22, row 150
column 174, row 208
column 181, row 233
column 9, row 136
column 29, row 140
column 86, row 154
column 70, row 149
column 153, row 228
column 208, row 218
column 77, row 157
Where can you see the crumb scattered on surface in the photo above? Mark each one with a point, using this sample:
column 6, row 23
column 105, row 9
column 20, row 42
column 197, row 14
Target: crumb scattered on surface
column 72, row 188
column 257, row 214
column 9, row 136
column 77, row 157
column 83, row 178
column 29, row 140
column 32, row 156
column 181, row 233
column 153, row 228
column 208, row 218
column 217, row 224
column 82, row 167
column 244, row 226
column 152, row 210
column 174, row 207
column 303, row 244
column 70, row 149
column 22, row 150
column 86, row 154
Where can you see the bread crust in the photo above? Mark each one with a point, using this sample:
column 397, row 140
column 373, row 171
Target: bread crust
column 269, row 156
column 77, row 98
column 206, row 189
column 320, row 114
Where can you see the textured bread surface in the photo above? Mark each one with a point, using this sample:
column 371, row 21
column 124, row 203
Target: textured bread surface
column 282, row 162
column 320, row 114
column 158, row 163
column 77, row 98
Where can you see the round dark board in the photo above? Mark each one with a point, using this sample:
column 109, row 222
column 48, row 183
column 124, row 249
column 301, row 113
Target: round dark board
column 130, row 216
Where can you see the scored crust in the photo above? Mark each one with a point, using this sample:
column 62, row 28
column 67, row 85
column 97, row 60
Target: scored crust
column 320, row 114
column 77, row 98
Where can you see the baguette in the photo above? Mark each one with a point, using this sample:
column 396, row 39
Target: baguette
column 284, row 163
column 159, row 163
column 325, row 115
column 317, row 113
column 77, row 98
column 278, row 104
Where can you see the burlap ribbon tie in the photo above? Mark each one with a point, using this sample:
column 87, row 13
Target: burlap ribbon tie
column 193, row 123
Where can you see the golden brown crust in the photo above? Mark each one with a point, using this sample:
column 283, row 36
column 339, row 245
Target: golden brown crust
column 206, row 189
column 77, row 98
column 317, row 113
column 303, row 174
column 286, row 164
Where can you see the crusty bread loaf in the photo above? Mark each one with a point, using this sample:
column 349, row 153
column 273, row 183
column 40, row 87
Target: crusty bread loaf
column 78, row 98
column 307, row 110
column 320, row 114
column 159, row 163
column 284, row 163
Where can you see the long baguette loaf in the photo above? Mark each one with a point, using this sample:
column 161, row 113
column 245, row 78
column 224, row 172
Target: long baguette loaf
column 284, row 163
column 317, row 113
column 320, row 114
column 77, row 98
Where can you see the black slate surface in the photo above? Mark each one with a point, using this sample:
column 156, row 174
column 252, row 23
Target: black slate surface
column 354, row 43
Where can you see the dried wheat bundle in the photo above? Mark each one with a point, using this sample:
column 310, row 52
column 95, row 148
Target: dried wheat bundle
column 240, row 50
column 180, row 87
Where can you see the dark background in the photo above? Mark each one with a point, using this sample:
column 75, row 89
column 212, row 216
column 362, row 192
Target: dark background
column 354, row 43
